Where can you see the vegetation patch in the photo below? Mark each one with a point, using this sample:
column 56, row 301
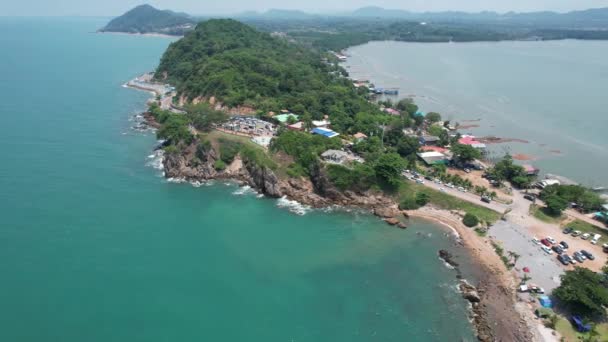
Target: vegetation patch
column 470, row 220
column 544, row 214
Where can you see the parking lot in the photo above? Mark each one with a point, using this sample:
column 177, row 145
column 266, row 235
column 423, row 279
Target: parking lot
column 545, row 270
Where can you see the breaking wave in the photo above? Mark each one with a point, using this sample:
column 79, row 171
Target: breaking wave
column 293, row 206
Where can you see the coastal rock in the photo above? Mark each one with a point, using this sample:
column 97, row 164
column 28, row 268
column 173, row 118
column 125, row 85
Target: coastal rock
column 472, row 296
column 402, row 225
column 448, row 258
column 392, row 221
column 386, row 212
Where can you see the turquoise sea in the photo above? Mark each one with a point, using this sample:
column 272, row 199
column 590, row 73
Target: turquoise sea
column 96, row 246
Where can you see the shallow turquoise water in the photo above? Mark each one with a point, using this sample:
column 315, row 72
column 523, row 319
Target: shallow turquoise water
column 95, row 246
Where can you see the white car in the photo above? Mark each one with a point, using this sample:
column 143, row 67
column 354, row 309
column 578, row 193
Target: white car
column 442, row 189
column 536, row 241
column 551, row 240
column 546, row 250
column 585, row 236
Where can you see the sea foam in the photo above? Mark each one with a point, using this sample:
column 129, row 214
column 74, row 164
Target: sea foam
column 293, row 206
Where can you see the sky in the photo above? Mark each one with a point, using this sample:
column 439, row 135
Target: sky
column 208, row 7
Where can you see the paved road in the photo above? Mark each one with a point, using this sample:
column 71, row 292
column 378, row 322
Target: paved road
column 466, row 196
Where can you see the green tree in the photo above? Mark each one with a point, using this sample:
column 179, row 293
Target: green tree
column 422, row 199
column 555, row 205
column 470, row 220
column 436, row 130
column 583, row 292
column 465, row 153
column 408, row 145
column 203, row 117
column 389, row 167
column 433, row 117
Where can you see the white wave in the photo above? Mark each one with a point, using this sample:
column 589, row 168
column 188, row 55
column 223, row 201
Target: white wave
column 244, row 190
column 156, row 160
column 446, row 264
column 176, row 180
column 259, row 196
column 196, row 184
column 293, row 206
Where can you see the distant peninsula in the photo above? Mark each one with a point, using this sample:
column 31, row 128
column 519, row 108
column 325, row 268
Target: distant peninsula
column 147, row 19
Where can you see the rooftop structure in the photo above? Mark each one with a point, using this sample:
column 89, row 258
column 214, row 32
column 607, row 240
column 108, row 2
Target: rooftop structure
column 360, row 136
column 471, row 141
column 434, row 148
column 326, row 132
column 284, row 117
column 420, row 113
column 392, row 111
column 530, row 170
column 298, row 126
column 433, row 157
column 428, row 140
column 547, row 182
column 321, row 123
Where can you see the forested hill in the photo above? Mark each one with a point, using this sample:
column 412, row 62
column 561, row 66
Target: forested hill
column 147, row 19
column 241, row 66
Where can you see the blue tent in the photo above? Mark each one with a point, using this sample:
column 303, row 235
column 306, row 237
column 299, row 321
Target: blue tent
column 578, row 323
column 545, row 301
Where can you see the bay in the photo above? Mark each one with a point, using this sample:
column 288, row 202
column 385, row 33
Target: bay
column 549, row 93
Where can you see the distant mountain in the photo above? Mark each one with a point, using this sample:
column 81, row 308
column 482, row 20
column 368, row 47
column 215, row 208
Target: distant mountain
column 379, row 12
column 147, row 19
column 591, row 18
column 278, row 14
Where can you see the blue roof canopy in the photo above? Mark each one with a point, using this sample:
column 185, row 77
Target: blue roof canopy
column 325, row 132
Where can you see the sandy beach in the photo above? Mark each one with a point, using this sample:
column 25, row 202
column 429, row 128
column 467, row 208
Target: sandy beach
column 508, row 319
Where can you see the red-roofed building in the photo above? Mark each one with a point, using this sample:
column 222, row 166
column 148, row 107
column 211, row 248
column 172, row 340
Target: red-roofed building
column 471, row 141
column 434, row 148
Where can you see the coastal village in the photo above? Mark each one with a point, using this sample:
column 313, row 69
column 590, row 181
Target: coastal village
column 534, row 248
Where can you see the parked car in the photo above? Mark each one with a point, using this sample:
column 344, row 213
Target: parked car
column 564, row 245
column 588, row 255
column 486, row 199
column 578, row 257
column 551, row 240
column 605, row 247
column 536, row 241
column 595, row 239
column 546, row 250
column 545, row 242
column 467, row 170
column 576, row 233
column 586, row 236
column 564, row 259
column 558, row 249
column 419, row 181
column 568, row 230
column 428, row 178
column 530, row 197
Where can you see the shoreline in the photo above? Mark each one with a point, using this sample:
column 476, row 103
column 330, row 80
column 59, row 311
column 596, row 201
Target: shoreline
column 496, row 313
column 157, row 35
